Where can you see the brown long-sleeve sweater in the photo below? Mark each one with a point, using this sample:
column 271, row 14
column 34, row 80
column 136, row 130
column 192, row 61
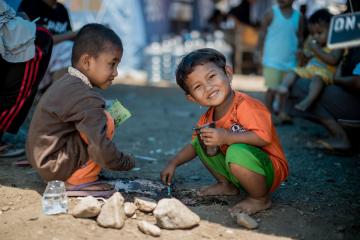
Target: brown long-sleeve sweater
column 54, row 147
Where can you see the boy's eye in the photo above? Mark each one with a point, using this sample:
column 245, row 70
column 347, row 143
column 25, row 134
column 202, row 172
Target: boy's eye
column 212, row 75
column 196, row 87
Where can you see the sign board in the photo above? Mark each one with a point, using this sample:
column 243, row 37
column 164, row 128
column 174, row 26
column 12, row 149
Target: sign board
column 344, row 31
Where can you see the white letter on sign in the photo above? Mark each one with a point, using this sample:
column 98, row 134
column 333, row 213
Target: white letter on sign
column 350, row 23
column 339, row 24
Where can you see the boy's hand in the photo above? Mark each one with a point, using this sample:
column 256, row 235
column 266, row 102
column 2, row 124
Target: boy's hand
column 167, row 173
column 214, row 136
column 128, row 161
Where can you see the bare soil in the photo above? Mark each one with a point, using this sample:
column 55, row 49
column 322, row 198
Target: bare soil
column 320, row 199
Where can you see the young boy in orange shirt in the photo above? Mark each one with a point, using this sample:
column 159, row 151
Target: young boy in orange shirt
column 70, row 134
column 251, row 157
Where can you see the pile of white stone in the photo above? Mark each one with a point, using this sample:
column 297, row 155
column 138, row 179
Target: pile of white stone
column 169, row 213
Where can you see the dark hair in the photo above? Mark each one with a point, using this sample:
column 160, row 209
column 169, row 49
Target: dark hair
column 321, row 16
column 355, row 5
column 195, row 58
column 92, row 39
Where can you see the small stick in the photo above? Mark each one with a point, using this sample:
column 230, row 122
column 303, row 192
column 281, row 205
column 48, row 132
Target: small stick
column 169, row 190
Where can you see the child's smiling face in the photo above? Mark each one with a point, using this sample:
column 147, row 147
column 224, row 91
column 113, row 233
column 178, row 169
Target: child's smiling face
column 102, row 68
column 209, row 85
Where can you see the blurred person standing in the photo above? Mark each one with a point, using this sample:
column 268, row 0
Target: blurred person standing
column 280, row 38
column 25, row 52
column 55, row 17
column 339, row 102
column 181, row 15
column 250, row 12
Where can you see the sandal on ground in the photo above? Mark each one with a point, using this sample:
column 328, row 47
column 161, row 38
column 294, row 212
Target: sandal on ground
column 22, row 163
column 3, row 146
column 81, row 191
column 324, row 145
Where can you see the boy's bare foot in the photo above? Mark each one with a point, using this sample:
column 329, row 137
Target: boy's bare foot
column 335, row 144
column 251, row 205
column 303, row 105
column 219, row 189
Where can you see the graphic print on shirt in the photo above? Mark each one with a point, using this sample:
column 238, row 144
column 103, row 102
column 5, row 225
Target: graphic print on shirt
column 59, row 27
column 235, row 127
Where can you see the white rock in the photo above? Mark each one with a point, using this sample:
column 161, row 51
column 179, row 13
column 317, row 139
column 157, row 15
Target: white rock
column 149, row 228
column 145, row 204
column 88, row 207
column 170, row 213
column 246, row 221
column 130, row 209
column 112, row 214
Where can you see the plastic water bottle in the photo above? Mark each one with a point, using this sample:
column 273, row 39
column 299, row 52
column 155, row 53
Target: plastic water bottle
column 153, row 54
column 222, row 46
column 179, row 52
column 166, row 62
column 54, row 200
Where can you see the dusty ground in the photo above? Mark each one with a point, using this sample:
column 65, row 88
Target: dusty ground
column 320, row 200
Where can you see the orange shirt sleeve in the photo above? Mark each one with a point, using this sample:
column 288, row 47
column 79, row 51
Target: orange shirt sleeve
column 255, row 117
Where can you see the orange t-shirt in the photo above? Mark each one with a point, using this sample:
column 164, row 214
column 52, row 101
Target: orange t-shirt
column 249, row 114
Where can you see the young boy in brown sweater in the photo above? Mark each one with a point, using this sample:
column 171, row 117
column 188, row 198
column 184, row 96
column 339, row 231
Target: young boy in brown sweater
column 70, row 133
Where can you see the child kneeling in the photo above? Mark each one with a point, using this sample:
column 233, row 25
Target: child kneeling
column 251, row 157
column 70, row 134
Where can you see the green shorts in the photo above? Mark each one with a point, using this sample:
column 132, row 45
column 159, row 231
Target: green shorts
column 273, row 77
column 244, row 155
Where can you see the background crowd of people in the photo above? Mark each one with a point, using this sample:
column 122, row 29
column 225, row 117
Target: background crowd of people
column 302, row 79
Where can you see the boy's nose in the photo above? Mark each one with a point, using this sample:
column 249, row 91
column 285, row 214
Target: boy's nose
column 115, row 72
column 208, row 87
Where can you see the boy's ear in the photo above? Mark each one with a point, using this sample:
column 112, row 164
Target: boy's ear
column 229, row 71
column 190, row 98
column 85, row 61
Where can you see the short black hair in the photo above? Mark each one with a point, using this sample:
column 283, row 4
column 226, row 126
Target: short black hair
column 195, row 58
column 92, row 39
column 321, row 16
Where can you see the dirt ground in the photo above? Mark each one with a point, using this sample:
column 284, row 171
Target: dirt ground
column 320, row 199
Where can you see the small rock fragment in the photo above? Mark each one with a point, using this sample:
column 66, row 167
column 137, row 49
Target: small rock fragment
column 149, row 228
column 145, row 204
column 170, row 213
column 129, row 209
column 6, row 208
column 112, row 214
column 88, row 207
column 246, row 221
